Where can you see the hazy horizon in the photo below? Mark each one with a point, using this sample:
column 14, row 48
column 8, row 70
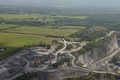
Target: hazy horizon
column 63, row 3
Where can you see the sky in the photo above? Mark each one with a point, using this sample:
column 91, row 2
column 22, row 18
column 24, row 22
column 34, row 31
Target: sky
column 64, row 3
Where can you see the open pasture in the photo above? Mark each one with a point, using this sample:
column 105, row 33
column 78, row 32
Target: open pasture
column 4, row 26
column 42, row 31
column 14, row 41
column 21, row 16
column 78, row 17
column 72, row 27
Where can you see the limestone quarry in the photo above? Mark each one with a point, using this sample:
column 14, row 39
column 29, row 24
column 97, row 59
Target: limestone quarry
column 101, row 59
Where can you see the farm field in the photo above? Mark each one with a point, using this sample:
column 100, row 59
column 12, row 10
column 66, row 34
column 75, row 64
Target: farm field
column 27, row 17
column 42, row 31
column 26, row 35
column 72, row 27
column 79, row 17
column 6, row 26
column 14, row 41
column 22, row 16
column 33, row 17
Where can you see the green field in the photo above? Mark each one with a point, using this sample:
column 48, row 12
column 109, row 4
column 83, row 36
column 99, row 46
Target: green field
column 79, row 17
column 4, row 26
column 34, row 17
column 14, row 41
column 42, row 31
column 27, row 17
column 72, row 27
column 22, row 16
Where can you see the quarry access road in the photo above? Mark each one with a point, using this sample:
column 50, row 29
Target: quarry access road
column 111, row 32
column 85, row 69
column 108, row 57
column 73, row 60
column 61, row 50
column 74, row 50
column 112, row 54
column 65, row 45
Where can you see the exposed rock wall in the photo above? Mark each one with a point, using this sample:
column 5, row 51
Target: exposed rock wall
column 98, row 53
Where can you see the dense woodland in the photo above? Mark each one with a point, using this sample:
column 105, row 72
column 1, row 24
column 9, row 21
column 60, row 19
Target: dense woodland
column 89, row 35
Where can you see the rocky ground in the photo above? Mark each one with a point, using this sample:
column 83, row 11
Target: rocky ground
column 26, row 60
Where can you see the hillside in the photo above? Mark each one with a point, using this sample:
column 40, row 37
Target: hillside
column 104, row 48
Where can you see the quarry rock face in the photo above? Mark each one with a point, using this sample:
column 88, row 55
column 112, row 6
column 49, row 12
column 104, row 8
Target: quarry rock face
column 98, row 53
column 51, row 74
